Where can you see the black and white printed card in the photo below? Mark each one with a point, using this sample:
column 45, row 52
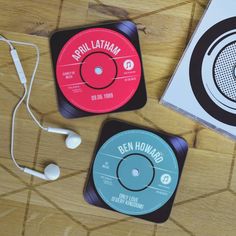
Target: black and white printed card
column 204, row 83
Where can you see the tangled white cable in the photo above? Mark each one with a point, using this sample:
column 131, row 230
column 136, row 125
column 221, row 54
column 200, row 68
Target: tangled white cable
column 73, row 140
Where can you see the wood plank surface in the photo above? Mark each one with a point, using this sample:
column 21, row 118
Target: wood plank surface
column 205, row 204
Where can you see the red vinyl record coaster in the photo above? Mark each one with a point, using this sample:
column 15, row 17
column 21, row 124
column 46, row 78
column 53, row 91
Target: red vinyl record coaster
column 98, row 69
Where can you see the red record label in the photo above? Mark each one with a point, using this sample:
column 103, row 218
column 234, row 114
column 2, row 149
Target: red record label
column 98, row 70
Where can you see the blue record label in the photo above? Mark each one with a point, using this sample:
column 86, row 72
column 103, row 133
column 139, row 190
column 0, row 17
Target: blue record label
column 135, row 172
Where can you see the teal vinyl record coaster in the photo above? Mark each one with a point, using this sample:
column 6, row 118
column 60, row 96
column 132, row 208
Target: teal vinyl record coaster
column 135, row 171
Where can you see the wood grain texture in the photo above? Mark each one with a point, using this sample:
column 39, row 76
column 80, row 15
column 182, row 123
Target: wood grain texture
column 205, row 204
column 32, row 17
column 12, row 216
column 73, row 13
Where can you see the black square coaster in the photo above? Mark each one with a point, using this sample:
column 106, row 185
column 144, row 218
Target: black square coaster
column 98, row 69
column 135, row 171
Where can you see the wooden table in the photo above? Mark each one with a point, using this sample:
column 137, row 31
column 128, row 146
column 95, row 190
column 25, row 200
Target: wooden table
column 206, row 200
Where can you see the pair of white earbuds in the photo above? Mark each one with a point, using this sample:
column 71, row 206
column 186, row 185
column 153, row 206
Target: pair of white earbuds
column 52, row 171
column 73, row 140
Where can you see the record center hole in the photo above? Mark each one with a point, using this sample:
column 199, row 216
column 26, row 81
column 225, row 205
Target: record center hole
column 98, row 70
column 135, row 172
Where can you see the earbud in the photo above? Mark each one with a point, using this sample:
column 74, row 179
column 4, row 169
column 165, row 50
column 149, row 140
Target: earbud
column 51, row 172
column 72, row 141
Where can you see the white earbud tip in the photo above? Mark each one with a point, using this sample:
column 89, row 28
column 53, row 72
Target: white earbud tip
column 52, row 172
column 73, row 141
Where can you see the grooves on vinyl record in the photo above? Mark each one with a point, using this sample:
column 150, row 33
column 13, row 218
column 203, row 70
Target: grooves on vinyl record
column 98, row 69
column 133, row 165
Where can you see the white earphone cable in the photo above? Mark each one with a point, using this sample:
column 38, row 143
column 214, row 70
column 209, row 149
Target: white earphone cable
column 13, row 126
column 32, row 80
column 52, row 171
column 25, row 95
column 7, row 41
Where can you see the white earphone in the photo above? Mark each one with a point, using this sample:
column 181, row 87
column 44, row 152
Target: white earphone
column 72, row 141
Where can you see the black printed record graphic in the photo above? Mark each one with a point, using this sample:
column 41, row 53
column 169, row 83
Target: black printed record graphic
column 98, row 69
column 135, row 171
column 213, row 71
